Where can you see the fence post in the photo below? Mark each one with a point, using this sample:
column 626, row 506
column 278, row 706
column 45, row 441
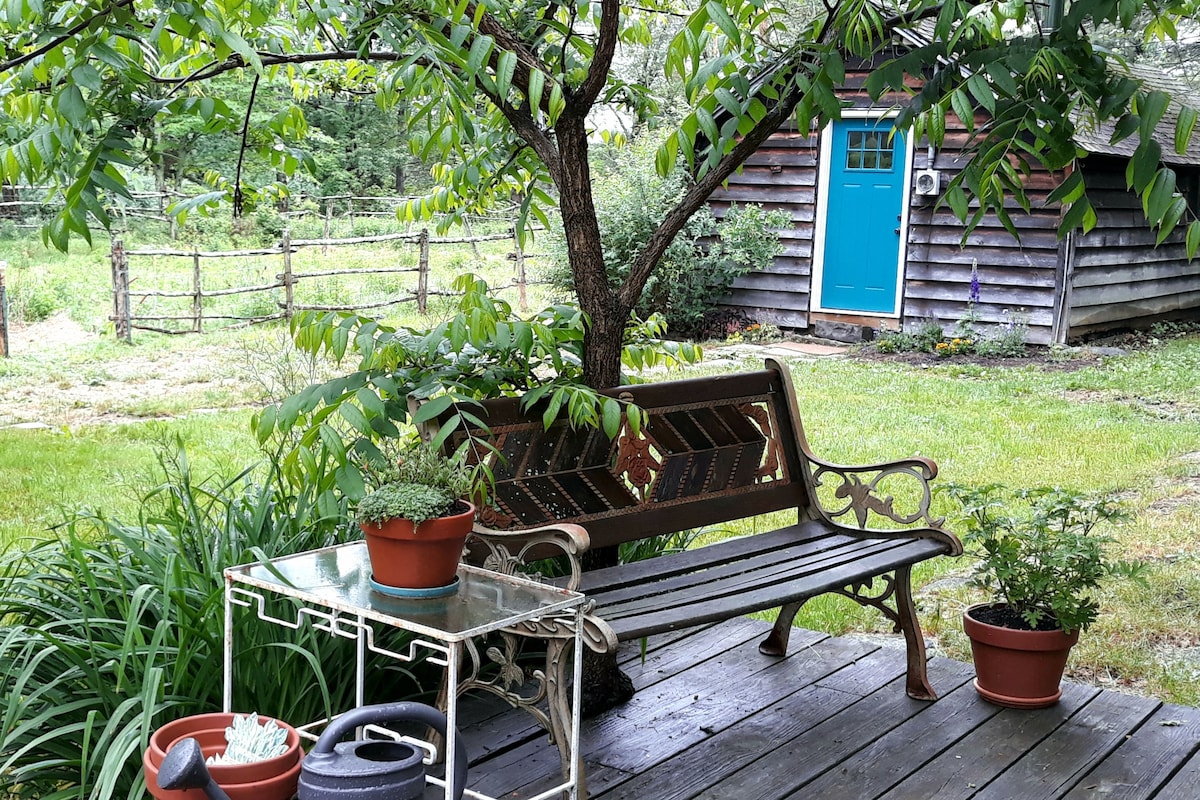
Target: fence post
column 3, row 312
column 120, row 279
column 289, row 300
column 519, row 256
column 328, row 219
column 423, row 271
column 197, row 295
column 466, row 221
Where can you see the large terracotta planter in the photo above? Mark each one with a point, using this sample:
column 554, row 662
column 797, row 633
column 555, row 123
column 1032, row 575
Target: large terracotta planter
column 424, row 557
column 270, row 779
column 1016, row 668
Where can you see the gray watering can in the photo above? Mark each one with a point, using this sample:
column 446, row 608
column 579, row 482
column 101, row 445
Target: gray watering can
column 376, row 769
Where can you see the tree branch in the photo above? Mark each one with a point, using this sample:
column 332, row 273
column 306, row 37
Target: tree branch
column 602, row 56
column 59, row 40
column 273, row 59
column 237, row 178
column 697, row 195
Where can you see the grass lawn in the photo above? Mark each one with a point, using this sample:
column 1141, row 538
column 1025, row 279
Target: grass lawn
column 1129, row 424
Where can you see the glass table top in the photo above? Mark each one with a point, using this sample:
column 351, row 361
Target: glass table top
column 339, row 578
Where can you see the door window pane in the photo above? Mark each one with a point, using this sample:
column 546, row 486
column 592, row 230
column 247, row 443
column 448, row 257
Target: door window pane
column 868, row 150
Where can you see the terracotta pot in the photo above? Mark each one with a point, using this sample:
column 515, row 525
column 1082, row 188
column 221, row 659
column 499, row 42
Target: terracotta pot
column 1016, row 668
column 270, row 779
column 424, row 558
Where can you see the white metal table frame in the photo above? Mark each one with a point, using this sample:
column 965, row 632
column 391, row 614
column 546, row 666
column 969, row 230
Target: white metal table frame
column 333, row 583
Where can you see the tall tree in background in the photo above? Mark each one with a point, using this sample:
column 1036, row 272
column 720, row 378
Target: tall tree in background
column 502, row 95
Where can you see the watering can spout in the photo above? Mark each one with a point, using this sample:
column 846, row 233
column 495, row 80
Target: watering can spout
column 376, row 769
column 183, row 767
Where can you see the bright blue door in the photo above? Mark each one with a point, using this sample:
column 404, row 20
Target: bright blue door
column 862, row 228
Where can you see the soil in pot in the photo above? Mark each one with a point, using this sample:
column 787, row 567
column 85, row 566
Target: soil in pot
column 1016, row 668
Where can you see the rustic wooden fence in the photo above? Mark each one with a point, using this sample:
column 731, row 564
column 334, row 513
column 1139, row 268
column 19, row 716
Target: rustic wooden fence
column 126, row 317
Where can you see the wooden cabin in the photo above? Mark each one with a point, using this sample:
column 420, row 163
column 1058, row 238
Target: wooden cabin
column 864, row 254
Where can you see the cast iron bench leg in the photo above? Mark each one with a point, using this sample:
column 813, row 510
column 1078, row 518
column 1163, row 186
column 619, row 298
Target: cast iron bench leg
column 918, row 679
column 776, row 643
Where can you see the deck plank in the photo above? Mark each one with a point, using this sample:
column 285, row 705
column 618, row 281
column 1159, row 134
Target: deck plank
column 731, row 749
column 894, row 756
column 715, row 720
column 1183, row 784
column 782, row 771
column 1147, row 758
column 978, row 758
column 1055, row 765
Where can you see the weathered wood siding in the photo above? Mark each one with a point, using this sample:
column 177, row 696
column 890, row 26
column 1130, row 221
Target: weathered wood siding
column 1019, row 279
column 781, row 175
column 1119, row 278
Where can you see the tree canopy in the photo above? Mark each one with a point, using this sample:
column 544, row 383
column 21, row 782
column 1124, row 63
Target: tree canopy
column 501, row 97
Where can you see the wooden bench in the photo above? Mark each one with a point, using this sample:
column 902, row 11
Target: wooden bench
column 714, row 450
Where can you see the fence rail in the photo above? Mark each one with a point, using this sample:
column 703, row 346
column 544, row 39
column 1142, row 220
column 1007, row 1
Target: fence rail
column 125, row 319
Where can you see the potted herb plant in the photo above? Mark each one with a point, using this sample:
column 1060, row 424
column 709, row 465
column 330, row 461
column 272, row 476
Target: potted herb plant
column 416, row 520
column 1041, row 559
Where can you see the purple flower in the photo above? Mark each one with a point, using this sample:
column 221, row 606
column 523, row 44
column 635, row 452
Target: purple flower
column 973, row 297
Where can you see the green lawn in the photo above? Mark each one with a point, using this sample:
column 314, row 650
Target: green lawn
column 1129, row 424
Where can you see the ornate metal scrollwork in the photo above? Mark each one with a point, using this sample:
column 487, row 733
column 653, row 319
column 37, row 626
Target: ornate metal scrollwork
column 865, row 593
column 865, row 501
column 511, row 682
column 509, row 553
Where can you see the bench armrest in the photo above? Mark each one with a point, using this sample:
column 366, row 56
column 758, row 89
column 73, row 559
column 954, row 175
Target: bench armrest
column 869, row 492
column 508, row 551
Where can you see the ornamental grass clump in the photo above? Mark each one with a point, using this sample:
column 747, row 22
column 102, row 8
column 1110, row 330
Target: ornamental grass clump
column 1039, row 552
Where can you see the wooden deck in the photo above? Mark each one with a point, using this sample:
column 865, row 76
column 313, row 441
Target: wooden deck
column 715, row 719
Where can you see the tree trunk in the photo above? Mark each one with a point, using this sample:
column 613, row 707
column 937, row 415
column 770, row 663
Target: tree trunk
column 603, row 338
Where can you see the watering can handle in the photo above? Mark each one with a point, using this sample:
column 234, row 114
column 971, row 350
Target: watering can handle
column 395, row 712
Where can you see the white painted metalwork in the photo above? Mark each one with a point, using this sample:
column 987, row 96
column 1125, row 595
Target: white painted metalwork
column 332, row 588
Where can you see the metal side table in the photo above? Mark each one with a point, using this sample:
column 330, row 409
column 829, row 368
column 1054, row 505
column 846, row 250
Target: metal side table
column 333, row 589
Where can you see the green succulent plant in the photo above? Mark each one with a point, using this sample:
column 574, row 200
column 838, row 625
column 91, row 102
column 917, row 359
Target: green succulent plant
column 419, row 484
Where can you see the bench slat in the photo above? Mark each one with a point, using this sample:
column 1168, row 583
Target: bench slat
column 743, row 575
column 609, row 578
column 699, row 607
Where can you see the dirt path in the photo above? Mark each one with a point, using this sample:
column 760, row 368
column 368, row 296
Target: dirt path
column 62, row 376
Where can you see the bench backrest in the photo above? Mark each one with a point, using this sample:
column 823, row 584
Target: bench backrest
column 713, row 449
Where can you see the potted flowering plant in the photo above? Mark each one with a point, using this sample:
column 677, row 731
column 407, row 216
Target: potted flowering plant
column 416, row 520
column 1042, row 560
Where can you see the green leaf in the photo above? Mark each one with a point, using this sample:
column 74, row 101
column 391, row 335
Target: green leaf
column 552, row 408
column 1157, row 199
column 350, row 481
column 1193, row 239
column 264, row 423
column 611, row 413
column 1070, row 190
column 1184, row 127
column 370, row 401
column 963, row 109
column 72, row 105
column 1151, row 108
column 432, row 409
column 1075, row 216
column 354, row 416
